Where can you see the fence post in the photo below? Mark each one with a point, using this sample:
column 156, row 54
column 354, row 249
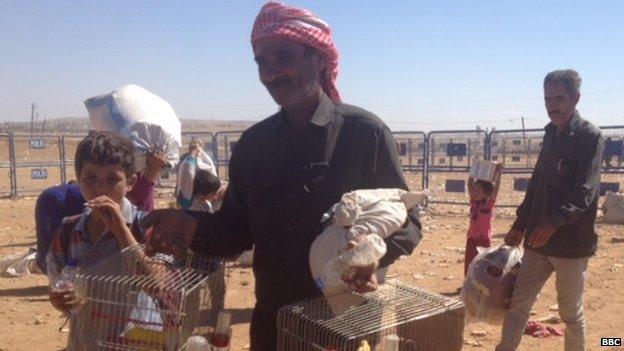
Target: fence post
column 12, row 167
column 62, row 169
column 425, row 169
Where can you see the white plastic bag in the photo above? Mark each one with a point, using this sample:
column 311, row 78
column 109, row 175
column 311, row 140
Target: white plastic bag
column 489, row 283
column 186, row 177
column 145, row 118
column 19, row 264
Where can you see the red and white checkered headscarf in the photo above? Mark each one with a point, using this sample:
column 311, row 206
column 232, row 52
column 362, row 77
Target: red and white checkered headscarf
column 279, row 20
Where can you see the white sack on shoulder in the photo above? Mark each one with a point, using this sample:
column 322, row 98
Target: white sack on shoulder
column 375, row 211
column 145, row 118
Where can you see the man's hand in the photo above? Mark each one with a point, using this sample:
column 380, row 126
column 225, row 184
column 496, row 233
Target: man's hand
column 514, row 237
column 361, row 279
column 541, row 234
column 172, row 231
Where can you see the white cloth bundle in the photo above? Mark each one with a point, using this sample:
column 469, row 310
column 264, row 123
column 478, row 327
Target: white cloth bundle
column 143, row 117
column 377, row 213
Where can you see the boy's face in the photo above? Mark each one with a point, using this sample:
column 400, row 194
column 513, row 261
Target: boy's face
column 110, row 180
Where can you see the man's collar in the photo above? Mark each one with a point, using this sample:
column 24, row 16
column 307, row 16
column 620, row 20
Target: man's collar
column 323, row 115
column 570, row 125
column 324, row 112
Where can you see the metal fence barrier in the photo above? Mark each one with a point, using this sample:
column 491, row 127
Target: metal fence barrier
column 438, row 161
column 517, row 151
column 450, row 155
column 224, row 144
column 6, row 165
column 412, row 150
column 37, row 162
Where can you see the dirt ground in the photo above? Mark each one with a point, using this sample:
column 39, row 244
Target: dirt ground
column 29, row 322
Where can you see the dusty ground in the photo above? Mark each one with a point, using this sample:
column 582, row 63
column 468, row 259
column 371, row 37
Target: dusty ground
column 29, row 322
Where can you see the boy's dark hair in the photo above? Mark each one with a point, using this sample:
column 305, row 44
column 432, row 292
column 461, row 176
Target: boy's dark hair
column 105, row 148
column 205, row 182
column 488, row 187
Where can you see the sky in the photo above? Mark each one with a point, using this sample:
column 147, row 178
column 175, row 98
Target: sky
column 419, row 65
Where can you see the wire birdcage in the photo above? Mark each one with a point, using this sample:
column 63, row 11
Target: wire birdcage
column 423, row 321
column 136, row 303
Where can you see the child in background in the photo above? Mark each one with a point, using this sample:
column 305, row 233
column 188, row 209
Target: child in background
column 205, row 188
column 109, row 223
column 190, row 163
column 482, row 199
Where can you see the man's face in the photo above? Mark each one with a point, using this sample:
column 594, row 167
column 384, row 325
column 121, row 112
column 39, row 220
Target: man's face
column 109, row 180
column 559, row 104
column 288, row 70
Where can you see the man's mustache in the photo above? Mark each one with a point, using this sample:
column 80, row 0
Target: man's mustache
column 278, row 83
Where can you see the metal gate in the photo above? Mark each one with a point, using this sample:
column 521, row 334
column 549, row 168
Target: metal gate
column 37, row 162
column 224, row 144
column 517, row 151
column 412, row 150
column 70, row 144
column 6, row 165
column 450, row 154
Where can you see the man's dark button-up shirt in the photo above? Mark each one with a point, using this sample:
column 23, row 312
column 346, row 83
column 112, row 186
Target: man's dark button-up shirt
column 564, row 190
column 281, row 183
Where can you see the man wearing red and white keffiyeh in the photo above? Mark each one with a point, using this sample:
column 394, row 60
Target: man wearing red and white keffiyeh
column 277, row 20
column 287, row 170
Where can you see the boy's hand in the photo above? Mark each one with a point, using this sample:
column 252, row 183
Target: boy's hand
column 109, row 212
column 63, row 301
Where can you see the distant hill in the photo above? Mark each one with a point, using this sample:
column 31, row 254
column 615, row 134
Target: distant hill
column 70, row 125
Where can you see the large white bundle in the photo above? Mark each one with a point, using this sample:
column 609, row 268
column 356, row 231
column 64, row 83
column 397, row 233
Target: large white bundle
column 375, row 211
column 374, row 214
column 145, row 118
column 613, row 207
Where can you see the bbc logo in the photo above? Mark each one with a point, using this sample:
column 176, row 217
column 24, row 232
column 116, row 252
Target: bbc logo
column 610, row 341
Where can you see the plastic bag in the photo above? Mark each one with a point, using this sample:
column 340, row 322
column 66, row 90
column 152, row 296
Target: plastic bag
column 489, row 283
column 186, row 177
column 18, row 265
column 143, row 117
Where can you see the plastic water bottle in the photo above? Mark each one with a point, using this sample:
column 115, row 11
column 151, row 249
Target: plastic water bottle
column 368, row 251
column 69, row 273
column 67, row 281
